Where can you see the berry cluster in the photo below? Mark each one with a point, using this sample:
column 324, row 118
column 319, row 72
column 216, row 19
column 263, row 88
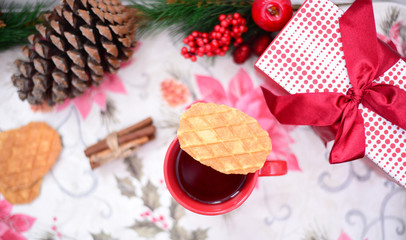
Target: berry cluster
column 217, row 41
column 149, row 215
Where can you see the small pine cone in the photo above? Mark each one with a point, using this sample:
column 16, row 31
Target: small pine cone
column 79, row 41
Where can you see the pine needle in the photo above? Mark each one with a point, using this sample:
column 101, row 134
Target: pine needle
column 20, row 21
column 392, row 15
column 183, row 17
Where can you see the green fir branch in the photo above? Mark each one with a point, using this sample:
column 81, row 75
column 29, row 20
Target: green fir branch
column 184, row 17
column 20, row 21
column 392, row 15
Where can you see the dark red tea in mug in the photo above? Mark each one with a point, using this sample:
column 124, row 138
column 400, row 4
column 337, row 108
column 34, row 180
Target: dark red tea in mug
column 203, row 183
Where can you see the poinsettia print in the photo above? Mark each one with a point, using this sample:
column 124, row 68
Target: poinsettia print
column 111, row 82
column 243, row 95
column 13, row 225
column 344, row 236
column 174, row 92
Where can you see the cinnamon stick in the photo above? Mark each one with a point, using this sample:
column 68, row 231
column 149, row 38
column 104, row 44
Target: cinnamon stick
column 94, row 164
column 139, row 125
column 140, row 132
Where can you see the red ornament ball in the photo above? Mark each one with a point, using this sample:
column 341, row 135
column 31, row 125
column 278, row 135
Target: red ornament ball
column 260, row 44
column 241, row 53
column 271, row 15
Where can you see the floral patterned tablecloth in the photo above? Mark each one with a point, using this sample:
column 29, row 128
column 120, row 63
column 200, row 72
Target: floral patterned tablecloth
column 128, row 199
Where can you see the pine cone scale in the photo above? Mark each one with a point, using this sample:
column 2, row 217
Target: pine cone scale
column 61, row 63
column 74, row 40
column 43, row 66
column 76, row 57
column 85, row 15
column 78, row 43
column 93, row 52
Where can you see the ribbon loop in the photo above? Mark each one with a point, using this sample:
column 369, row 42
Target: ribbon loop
column 366, row 59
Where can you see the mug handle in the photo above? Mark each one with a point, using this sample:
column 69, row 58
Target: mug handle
column 273, row 168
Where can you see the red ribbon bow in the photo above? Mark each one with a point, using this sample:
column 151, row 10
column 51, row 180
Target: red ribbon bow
column 366, row 59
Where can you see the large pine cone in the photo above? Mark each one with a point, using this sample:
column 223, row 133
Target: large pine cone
column 79, row 42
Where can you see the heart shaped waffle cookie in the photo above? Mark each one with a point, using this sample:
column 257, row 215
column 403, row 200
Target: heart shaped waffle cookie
column 23, row 195
column 26, row 155
column 223, row 138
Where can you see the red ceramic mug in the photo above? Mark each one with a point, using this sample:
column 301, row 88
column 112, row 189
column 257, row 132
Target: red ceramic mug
column 203, row 190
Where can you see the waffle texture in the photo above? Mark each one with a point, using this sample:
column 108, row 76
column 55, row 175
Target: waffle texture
column 26, row 155
column 223, row 138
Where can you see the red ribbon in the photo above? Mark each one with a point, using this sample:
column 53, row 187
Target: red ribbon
column 366, row 59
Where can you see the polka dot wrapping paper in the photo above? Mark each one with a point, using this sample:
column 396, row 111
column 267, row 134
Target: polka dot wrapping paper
column 307, row 56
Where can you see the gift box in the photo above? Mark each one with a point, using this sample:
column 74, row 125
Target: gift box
column 339, row 75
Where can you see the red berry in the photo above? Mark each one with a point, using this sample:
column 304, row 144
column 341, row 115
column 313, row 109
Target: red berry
column 224, row 23
column 217, row 41
column 238, row 40
column 243, row 29
column 199, row 42
column 241, row 21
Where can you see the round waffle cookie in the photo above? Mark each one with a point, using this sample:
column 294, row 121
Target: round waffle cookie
column 223, row 138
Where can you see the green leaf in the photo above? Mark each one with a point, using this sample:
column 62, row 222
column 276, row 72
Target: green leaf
column 134, row 166
column 126, row 187
column 150, row 196
column 199, row 234
column 146, row 228
column 179, row 233
column 102, row 236
column 47, row 236
column 176, row 210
